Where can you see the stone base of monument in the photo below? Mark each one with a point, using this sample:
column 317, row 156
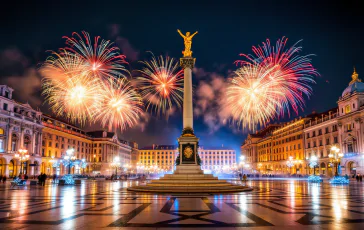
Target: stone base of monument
column 189, row 179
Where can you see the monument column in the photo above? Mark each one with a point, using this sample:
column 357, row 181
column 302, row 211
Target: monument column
column 188, row 142
column 187, row 65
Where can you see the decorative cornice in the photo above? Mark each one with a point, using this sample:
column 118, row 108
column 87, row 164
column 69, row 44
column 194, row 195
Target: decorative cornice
column 188, row 132
column 187, row 62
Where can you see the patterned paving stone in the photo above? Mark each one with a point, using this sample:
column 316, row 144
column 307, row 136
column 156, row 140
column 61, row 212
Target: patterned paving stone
column 273, row 204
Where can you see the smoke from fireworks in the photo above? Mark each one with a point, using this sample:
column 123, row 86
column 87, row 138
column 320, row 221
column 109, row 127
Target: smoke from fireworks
column 161, row 84
column 121, row 104
column 269, row 83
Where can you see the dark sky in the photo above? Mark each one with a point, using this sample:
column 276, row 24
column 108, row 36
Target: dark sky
column 331, row 31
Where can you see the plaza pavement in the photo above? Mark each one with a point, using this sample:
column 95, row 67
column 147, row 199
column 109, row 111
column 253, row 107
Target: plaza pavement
column 273, row 204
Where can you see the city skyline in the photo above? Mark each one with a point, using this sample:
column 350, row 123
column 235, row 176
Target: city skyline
column 19, row 58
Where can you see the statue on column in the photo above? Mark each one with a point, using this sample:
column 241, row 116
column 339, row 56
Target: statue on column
column 188, row 43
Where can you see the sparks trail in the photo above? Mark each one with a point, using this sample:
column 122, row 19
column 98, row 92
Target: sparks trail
column 269, row 83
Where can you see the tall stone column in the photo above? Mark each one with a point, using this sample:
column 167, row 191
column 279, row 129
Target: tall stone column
column 187, row 64
column 40, row 140
column 188, row 142
column 34, row 137
column 21, row 142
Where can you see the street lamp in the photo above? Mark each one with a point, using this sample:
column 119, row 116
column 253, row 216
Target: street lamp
column 83, row 165
column 313, row 163
column 242, row 163
column 22, row 156
column 335, row 157
column 116, row 164
column 94, row 164
column 290, row 163
column 69, row 158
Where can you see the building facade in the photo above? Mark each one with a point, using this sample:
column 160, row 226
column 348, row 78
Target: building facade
column 47, row 139
column 134, row 156
column 157, row 158
column 314, row 135
column 99, row 149
column 217, row 159
column 20, row 128
column 342, row 127
column 268, row 150
column 162, row 158
column 321, row 133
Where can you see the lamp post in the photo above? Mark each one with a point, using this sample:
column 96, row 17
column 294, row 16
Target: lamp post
column 52, row 161
column 242, row 163
column 335, row 157
column 83, row 162
column 313, row 164
column 290, row 163
column 116, row 164
column 94, row 164
column 22, row 156
column 70, row 158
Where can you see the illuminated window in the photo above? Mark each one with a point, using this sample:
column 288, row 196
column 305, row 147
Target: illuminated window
column 349, row 127
column 1, row 131
column 347, row 109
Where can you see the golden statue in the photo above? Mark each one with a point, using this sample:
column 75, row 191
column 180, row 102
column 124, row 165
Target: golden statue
column 354, row 77
column 188, row 43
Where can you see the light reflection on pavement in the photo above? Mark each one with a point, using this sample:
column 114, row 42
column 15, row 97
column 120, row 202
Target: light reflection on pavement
column 273, row 204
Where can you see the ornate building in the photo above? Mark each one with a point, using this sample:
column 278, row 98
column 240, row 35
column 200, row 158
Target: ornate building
column 217, row 159
column 163, row 157
column 47, row 139
column 98, row 148
column 20, row 128
column 134, row 155
column 314, row 135
column 341, row 127
column 268, row 150
column 321, row 132
column 157, row 157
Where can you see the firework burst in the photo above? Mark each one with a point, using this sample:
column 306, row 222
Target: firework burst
column 101, row 58
column 121, row 105
column 161, row 84
column 69, row 92
column 269, row 83
column 75, row 77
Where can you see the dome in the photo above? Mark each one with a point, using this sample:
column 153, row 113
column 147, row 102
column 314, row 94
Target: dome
column 354, row 86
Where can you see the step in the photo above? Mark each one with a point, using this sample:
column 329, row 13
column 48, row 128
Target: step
column 188, row 176
column 197, row 167
column 224, row 185
column 167, row 181
column 185, row 171
column 190, row 189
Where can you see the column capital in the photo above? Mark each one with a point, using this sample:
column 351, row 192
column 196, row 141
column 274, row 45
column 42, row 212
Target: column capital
column 187, row 62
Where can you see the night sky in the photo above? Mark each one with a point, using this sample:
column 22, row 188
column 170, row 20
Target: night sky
column 331, row 31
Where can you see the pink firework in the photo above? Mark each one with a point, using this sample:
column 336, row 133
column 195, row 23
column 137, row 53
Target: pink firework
column 273, row 80
column 101, row 57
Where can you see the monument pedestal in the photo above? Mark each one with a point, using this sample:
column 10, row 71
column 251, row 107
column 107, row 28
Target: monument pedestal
column 188, row 176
